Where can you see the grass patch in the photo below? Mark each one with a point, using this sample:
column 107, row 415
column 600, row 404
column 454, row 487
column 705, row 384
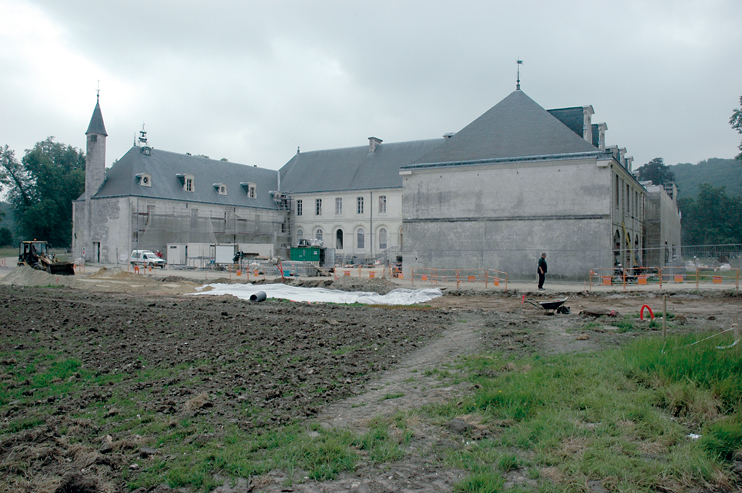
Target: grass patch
column 396, row 395
column 621, row 416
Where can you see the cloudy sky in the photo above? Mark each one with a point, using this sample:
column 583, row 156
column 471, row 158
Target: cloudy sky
column 251, row 81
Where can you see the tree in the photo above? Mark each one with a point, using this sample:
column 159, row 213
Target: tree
column 712, row 218
column 736, row 122
column 42, row 188
column 657, row 172
column 6, row 237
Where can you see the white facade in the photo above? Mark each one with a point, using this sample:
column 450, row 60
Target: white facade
column 364, row 223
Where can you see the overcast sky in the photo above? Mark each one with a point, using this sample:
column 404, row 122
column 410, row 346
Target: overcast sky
column 251, row 81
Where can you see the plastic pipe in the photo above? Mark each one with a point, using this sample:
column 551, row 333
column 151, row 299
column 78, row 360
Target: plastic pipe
column 258, row 297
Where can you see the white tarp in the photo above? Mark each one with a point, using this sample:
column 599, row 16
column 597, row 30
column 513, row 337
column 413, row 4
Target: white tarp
column 321, row 295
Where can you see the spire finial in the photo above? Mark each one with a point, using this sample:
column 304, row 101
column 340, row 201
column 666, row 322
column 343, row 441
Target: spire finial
column 517, row 83
column 97, row 97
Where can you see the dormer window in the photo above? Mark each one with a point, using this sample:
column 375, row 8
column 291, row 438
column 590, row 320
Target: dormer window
column 145, row 179
column 221, row 188
column 251, row 189
column 188, row 182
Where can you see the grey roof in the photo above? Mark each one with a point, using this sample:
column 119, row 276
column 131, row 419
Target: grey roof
column 352, row 168
column 164, row 167
column 96, row 122
column 573, row 118
column 516, row 127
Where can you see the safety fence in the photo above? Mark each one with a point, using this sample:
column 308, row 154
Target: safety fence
column 435, row 276
column 644, row 276
column 2, row 262
column 361, row 272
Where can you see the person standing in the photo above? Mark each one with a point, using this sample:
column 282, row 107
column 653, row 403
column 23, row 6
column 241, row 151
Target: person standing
column 541, row 271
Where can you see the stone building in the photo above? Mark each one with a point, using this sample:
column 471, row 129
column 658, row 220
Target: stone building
column 158, row 200
column 662, row 225
column 518, row 181
column 351, row 198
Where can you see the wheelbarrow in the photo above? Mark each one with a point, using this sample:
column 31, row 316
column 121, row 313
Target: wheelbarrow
column 551, row 307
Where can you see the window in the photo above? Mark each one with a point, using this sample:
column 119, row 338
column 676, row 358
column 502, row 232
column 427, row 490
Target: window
column 616, row 191
column 189, row 182
column 359, row 205
column 251, row 189
column 145, row 179
column 338, row 207
column 339, row 239
column 298, row 207
column 299, row 234
column 627, row 207
column 382, row 204
column 360, row 239
column 317, row 207
column 220, row 188
column 318, row 235
column 382, row 239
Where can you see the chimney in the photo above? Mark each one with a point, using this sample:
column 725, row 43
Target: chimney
column 621, row 157
column 587, row 128
column 602, row 127
column 629, row 163
column 373, row 142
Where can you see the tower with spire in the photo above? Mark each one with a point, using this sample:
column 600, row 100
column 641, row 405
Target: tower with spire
column 95, row 158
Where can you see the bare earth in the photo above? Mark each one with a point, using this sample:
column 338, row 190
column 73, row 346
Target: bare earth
column 113, row 321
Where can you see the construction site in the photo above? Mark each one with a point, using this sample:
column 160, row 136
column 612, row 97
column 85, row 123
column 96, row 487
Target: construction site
column 117, row 381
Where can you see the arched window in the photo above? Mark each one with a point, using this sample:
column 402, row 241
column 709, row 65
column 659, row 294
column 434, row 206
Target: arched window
column 318, row 235
column 339, row 239
column 382, row 239
column 299, row 234
column 360, row 239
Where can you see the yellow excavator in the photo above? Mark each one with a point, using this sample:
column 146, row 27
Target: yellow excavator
column 38, row 255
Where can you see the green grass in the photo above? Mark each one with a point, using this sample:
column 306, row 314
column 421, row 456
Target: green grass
column 621, row 416
column 395, row 395
column 9, row 252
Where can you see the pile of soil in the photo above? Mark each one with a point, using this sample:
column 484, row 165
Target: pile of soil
column 376, row 285
column 284, row 359
column 26, row 276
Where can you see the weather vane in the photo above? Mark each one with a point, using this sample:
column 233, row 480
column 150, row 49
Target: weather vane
column 517, row 84
column 97, row 97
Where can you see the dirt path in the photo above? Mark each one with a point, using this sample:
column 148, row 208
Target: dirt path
column 406, row 388
column 410, row 385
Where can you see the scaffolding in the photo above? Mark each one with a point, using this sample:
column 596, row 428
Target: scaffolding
column 154, row 230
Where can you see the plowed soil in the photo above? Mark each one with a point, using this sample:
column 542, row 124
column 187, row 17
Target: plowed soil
column 327, row 364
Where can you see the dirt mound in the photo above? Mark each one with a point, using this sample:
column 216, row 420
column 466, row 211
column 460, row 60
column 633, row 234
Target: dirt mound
column 102, row 272
column 124, row 276
column 26, row 276
column 350, row 283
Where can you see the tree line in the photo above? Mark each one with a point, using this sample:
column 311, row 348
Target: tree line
column 711, row 217
column 40, row 190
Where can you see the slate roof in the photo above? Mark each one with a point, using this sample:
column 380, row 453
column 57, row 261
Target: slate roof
column 96, row 122
column 352, row 168
column 516, row 127
column 573, row 118
column 163, row 166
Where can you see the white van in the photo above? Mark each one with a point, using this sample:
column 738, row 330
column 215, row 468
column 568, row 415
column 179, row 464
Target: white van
column 147, row 258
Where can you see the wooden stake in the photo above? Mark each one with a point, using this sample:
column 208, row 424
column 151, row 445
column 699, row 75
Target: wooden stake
column 664, row 317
